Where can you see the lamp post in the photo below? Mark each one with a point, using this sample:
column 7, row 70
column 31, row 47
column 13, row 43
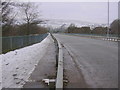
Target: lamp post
column 108, row 21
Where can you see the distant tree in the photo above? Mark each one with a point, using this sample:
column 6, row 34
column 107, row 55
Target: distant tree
column 30, row 15
column 20, row 18
column 21, row 29
column 99, row 30
column 115, row 27
column 85, row 30
column 71, row 28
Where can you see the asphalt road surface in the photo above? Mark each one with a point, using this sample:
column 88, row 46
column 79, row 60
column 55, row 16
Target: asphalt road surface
column 96, row 59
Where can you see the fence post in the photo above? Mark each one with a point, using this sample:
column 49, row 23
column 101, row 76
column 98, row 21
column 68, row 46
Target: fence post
column 11, row 42
column 22, row 41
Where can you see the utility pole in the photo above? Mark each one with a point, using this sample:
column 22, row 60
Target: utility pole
column 108, row 21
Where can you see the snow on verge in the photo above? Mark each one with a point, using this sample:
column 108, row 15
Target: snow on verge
column 0, row 72
column 18, row 65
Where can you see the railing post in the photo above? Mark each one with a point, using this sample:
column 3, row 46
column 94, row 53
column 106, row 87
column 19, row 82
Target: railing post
column 11, row 43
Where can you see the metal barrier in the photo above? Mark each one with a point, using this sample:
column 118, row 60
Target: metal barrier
column 15, row 42
column 59, row 79
column 99, row 35
column 112, row 37
column 59, row 64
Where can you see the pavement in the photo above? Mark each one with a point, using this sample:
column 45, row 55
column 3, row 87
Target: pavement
column 89, row 63
column 46, row 69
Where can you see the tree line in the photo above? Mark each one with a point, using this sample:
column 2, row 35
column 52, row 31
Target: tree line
column 113, row 29
column 24, row 19
column 20, row 19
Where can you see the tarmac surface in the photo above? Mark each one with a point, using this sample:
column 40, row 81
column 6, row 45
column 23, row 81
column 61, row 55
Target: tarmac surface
column 93, row 61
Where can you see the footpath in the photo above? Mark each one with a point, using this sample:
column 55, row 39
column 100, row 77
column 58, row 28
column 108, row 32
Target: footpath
column 46, row 69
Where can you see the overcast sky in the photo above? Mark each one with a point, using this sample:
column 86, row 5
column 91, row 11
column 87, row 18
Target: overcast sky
column 96, row 12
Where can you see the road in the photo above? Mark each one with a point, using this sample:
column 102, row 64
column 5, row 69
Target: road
column 96, row 59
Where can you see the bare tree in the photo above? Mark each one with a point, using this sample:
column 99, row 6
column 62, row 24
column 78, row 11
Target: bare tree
column 7, row 15
column 5, row 12
column 30, row 14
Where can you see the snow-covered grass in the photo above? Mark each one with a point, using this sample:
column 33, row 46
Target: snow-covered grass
column 18, row 65
column 0, row 72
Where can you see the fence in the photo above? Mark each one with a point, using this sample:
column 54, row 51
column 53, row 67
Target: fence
column 15, row 42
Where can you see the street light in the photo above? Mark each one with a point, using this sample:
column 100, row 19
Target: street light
column 108, row 21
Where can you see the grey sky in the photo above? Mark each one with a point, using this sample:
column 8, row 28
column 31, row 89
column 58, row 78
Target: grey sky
column 95, row 12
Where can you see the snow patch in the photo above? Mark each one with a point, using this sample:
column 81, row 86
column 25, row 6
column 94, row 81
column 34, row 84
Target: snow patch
column 0, row 72
column 18, row 65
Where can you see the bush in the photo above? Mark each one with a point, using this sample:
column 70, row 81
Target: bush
column 19, row 30
column 115, row 26
column 82, row 30
column 99, row 30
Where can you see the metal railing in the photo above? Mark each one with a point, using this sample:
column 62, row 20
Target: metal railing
column 59, row 64
column 15, row 42
column 59, row 79
column 112, row 37
column 102, row 35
